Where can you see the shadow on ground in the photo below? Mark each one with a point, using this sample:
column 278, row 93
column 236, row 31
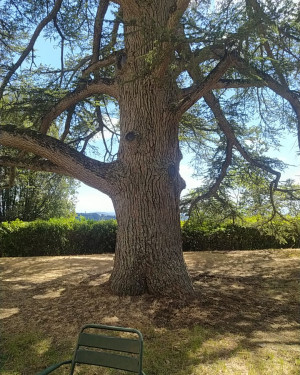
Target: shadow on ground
column 246, row 303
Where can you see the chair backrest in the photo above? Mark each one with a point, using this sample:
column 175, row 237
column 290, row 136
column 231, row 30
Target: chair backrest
column 106, row 350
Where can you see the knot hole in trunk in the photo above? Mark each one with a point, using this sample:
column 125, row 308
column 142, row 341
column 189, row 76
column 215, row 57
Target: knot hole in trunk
column 131, row 136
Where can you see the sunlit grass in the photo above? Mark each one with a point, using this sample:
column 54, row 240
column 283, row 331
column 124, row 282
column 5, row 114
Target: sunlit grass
column 243, row 322
column 196, row 351
column 25, row 353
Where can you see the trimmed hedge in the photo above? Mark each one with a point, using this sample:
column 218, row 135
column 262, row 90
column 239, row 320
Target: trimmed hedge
column 230, row 237
column 57, row 237
column 74, row 237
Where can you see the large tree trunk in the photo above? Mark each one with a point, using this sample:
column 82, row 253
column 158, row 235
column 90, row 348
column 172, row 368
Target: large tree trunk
column 149, row 250
column 149, row 254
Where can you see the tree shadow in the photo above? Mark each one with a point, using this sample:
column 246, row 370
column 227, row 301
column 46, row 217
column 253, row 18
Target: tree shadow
column 245, row 302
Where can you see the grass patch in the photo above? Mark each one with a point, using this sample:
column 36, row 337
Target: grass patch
column 244, row 320
column 196, row 351
column 27, row 352
column 173, row 351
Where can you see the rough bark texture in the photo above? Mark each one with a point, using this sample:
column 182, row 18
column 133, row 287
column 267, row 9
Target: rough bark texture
column 148, row 254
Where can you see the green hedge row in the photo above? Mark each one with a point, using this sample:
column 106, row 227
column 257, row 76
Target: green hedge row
column 70, row 237
column 57, row 237
column 230, row 237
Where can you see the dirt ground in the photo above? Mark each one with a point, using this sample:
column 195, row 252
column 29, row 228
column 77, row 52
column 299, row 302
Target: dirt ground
column 250, row 293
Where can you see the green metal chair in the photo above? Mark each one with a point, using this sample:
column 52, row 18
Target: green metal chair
column 122, row 353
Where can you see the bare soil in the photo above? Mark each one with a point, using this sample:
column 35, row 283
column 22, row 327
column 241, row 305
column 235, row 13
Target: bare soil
column 254, row 294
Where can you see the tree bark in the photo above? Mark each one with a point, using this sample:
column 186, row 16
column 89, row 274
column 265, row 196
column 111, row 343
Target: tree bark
column 148, row 253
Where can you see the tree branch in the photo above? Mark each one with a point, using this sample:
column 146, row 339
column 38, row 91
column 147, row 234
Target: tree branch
column 114, row 32
column 165, row 52
column 105, row 86
column 211, row 52
column 111, row 59
column 179, row 9
column 192, row 94
column 33, row 164
column 30, row 45
column 248, row 70
column 70, row 113
column 191, row 59
column 91, row 172
column 227, row 129
column 213, row 189
column 98, row 27
column 259, row 19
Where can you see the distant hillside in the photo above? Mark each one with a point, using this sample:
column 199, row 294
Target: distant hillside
column 96, row 215
column 109, row 215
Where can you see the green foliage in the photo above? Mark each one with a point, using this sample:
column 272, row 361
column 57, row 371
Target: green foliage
column 57, row 237
column 245, row 200
column 285, row 230
column 67, row 236
column 228, row 237
column 37, row 195
column 93, row 236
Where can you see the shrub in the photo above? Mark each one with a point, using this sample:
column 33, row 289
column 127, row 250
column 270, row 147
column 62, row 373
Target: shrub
column 57, row 237
column 229, row 237
column 74, row 237
column 93, row 237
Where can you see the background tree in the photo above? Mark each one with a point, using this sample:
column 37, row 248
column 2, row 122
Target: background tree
column 247, row 203
column 245, row 190
column 156, row 60
column 36, row 195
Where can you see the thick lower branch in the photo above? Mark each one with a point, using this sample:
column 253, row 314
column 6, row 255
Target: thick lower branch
column 91, row 172
column 38, row 165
